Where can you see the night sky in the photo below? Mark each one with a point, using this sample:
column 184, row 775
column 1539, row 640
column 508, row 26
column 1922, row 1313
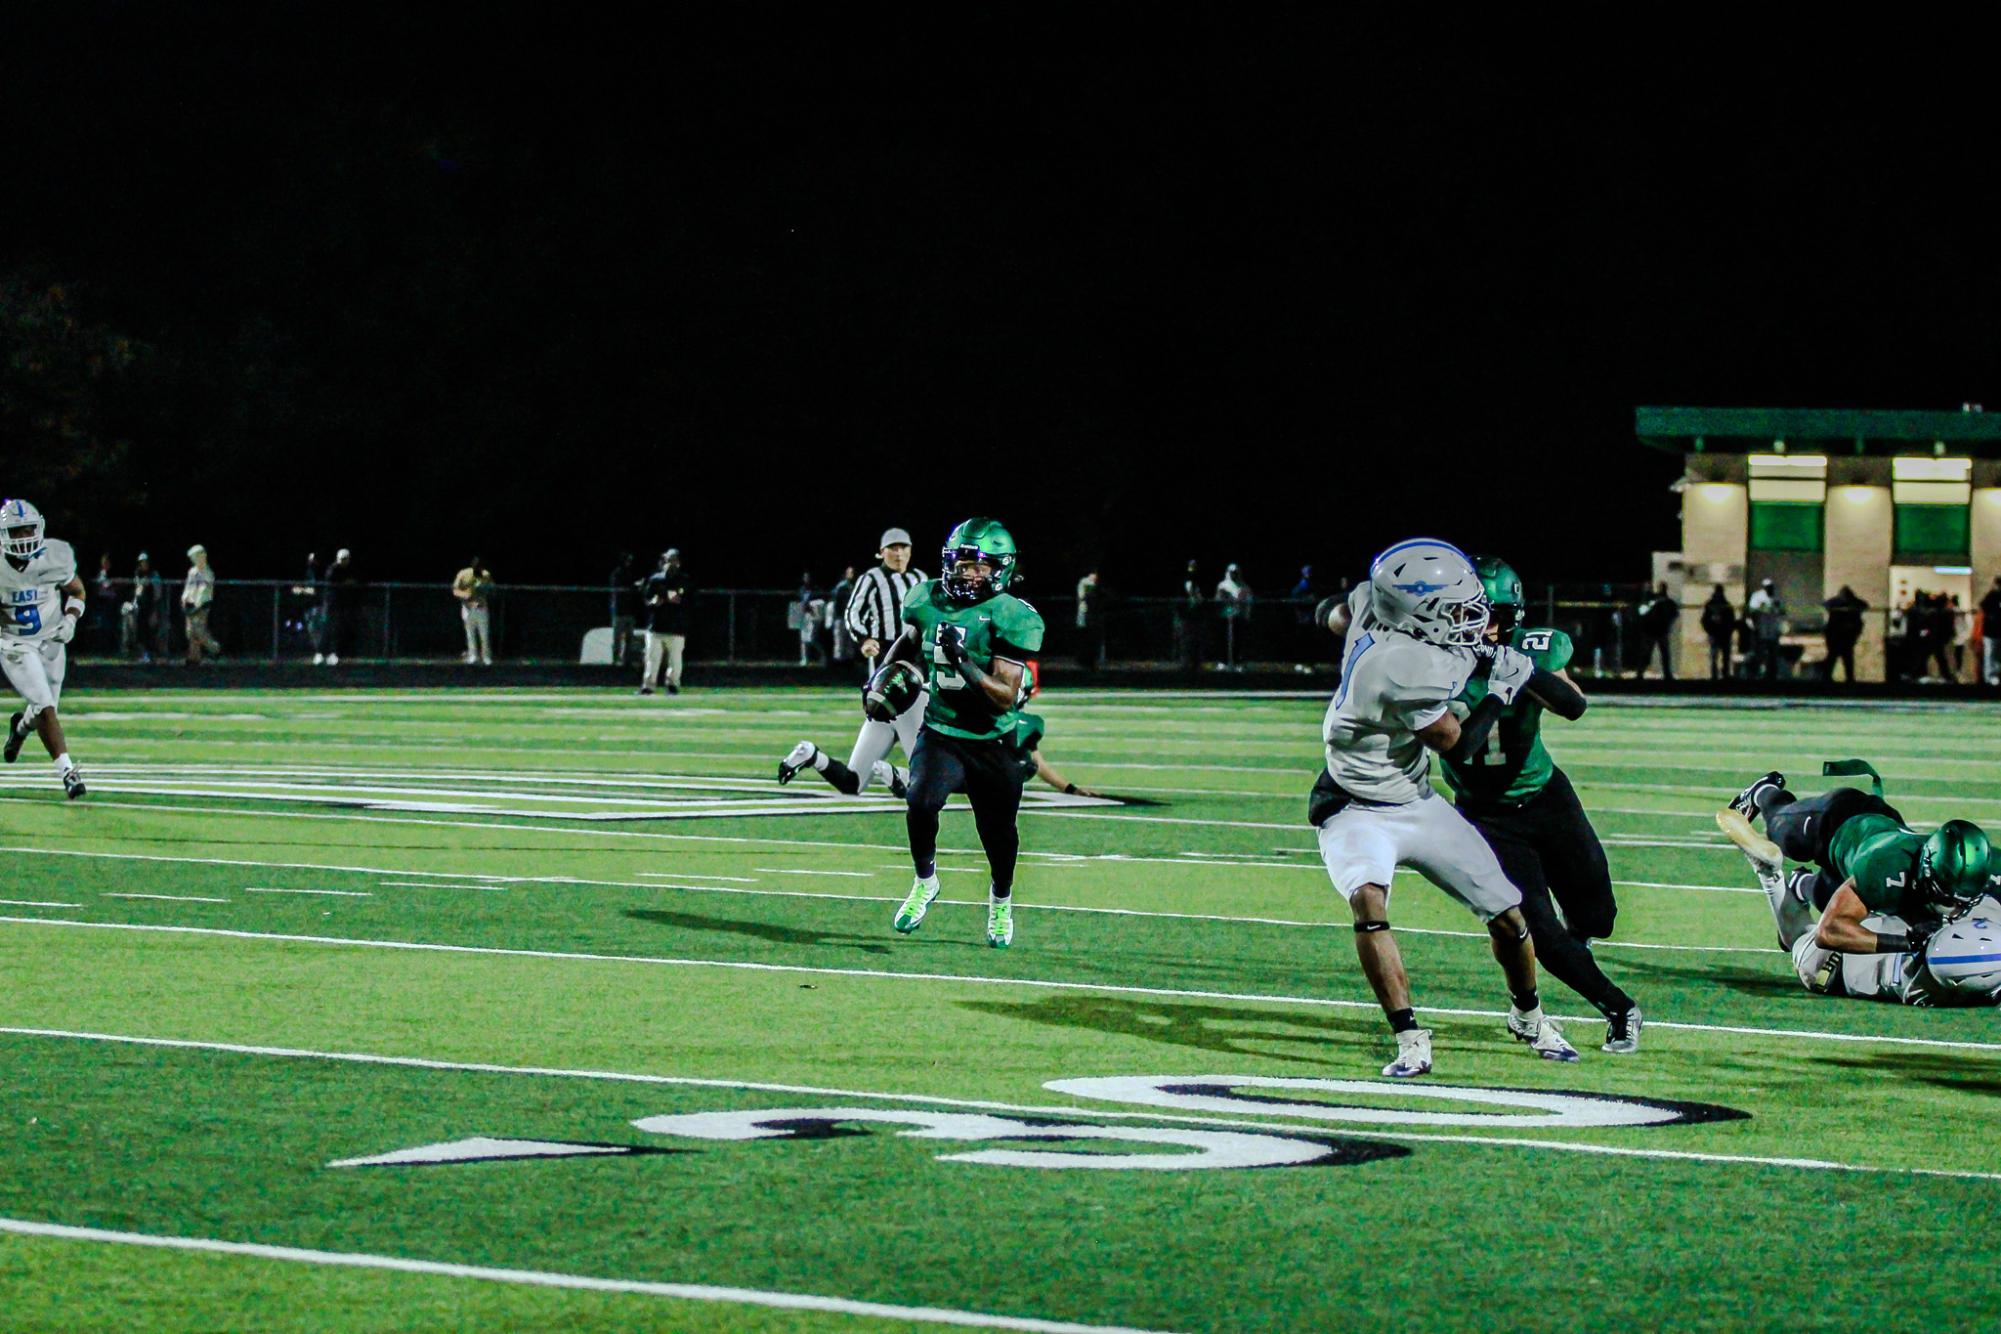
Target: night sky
column 1272, row 288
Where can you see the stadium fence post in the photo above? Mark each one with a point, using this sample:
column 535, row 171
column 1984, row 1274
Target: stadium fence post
column 277, row 624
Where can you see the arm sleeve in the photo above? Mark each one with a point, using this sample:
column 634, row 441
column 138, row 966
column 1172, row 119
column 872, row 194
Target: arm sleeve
column 1557, row 694
column 1474, row 731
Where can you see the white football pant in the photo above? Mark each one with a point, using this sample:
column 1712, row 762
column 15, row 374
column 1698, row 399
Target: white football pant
column 1364, row 844
column 872, row 743
column 35, row 669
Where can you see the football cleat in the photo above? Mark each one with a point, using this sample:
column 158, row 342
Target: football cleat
column 1545, row 1039
column 73, row 785
column 911, row 915
column 1622, row 1031
column 899, row 782
column 16, row 736
column 885, row 773
column 1413, row 1055
column 646, row 690
column 1767, row 861
column 800, row 756
column 1745, row 803
column 1000, row 922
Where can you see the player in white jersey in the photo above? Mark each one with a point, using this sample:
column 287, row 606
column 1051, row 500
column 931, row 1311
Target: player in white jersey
column 43, row 603
column 1415, row 637
column 874, row 617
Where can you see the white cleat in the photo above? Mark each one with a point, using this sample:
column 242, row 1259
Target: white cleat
column 1545, row 1039
column 1622, row 1031
column 800, row 756
column 1413, row 1055
column 911, row 915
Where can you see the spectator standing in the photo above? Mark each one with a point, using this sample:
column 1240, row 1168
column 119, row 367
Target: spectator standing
column 1934, row 615
column 312, row 622
column 1719, row 623
column 1090, row 621
column 624, row 598
column 337, row 592
column 1844, row 628
column 805, row 618
column 665, row 597
column 473, row 587
column 842, row 639
column 1657, row 617
column 156, row 626
column 1233, row 602
column 197, row 599
column 103, row 606
column 1962, row 635
column 135, row 624
column 1188, row 620
column 1767, row 614
column 1990, row 634
column 874, row 613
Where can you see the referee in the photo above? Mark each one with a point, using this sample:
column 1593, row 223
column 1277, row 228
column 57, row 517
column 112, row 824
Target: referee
column 875, row 609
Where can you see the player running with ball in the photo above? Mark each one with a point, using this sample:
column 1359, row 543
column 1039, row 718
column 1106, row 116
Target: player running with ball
column 1416, row 635
column 44, row 602
column 974, row 639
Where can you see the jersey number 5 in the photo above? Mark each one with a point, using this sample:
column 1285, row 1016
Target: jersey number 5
column 946, row 677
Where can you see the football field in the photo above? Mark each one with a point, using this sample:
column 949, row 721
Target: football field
column 552, row 1010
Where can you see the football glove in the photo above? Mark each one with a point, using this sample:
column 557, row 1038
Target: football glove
column 952, row 643
column 65, row 630
column 1508, row 671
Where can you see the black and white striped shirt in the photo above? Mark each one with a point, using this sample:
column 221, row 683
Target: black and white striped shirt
column 875, row 609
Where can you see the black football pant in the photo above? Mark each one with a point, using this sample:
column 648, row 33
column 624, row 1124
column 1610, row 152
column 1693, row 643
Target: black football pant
column 989, row 773
column 1549, row 849
column 1803, row 827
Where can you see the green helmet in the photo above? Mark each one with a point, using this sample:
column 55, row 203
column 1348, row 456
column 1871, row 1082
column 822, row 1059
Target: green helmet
column 1504, row 591
column 1952, row 869
column 982, row 540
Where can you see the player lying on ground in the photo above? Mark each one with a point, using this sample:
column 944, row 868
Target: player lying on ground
column 1526, row 809
column 1416, row 636
column 1878, row 911
column 874, row 616
column 44, row 596
column 974, row 640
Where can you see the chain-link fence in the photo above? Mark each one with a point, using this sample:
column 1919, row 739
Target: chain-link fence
column 275, row 621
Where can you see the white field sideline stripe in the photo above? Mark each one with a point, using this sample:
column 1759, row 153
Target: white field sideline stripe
column 171, row 898
column 332, row 893
column 1038, row 984
column 1277, row 1121
column 693, row 1292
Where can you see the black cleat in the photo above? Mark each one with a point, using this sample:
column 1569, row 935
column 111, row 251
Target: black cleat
column 1622, row 1031
column 898, row 787
column 1745, row 803
column 17, row 735
column 73, row 786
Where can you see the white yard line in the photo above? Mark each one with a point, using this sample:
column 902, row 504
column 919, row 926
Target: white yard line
column 36, row 903
column 433, row 884
column 171, row 898
column 694, row 1292
column 778, row 870
column 888, row 975
column 1275, row 1120
column 331, row 893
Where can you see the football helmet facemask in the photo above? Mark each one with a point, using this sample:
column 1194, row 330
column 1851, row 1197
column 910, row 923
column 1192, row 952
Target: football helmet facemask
column 22, row 523
column 1503, row 587
column 1429, row 590
column 973, row 543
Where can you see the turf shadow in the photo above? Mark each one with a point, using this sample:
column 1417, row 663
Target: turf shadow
column 1779, row 981
column 1208, row 1027
column 1955, row 1072
column 766, row 931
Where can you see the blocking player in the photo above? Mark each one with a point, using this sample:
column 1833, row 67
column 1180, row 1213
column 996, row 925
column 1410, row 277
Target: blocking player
column 44, row 602
column 1858, row 916
column 874, row 616
column 1526, row 809
column 1416, row 634
column 974, row 639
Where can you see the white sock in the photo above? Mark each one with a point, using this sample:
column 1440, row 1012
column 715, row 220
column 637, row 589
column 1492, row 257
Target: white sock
column 821, row 759
column 1529, row 1016
column 64, row 764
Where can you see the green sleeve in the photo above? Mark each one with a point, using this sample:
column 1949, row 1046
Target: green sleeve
column 1018, row 625
column 917, row 606
column 1551, row 649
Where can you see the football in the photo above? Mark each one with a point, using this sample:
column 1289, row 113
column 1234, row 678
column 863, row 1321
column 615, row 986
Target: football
column 894, row 688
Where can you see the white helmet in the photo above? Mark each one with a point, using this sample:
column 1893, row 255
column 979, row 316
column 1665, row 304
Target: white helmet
column 16, row 515
column 1965, row 954
column 1429, row 590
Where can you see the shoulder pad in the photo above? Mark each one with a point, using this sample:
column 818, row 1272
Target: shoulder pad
column 1415, row 670
column 59, row 558
column 918, row 598
column 1551, row 648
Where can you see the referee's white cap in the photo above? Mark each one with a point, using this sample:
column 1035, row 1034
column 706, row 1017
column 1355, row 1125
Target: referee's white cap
column 893, row 537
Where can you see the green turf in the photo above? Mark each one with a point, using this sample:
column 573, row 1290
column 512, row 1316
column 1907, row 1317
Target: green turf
column 1193, row 937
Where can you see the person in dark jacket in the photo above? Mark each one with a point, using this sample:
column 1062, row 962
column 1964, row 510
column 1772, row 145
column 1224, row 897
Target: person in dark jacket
column 1844, row 628
column 1719, row 622
column 1657, row 617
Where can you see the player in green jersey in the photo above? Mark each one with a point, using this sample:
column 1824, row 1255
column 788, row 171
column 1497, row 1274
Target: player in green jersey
column 975, row 640
column 1526, row 809
column 1856, row 917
